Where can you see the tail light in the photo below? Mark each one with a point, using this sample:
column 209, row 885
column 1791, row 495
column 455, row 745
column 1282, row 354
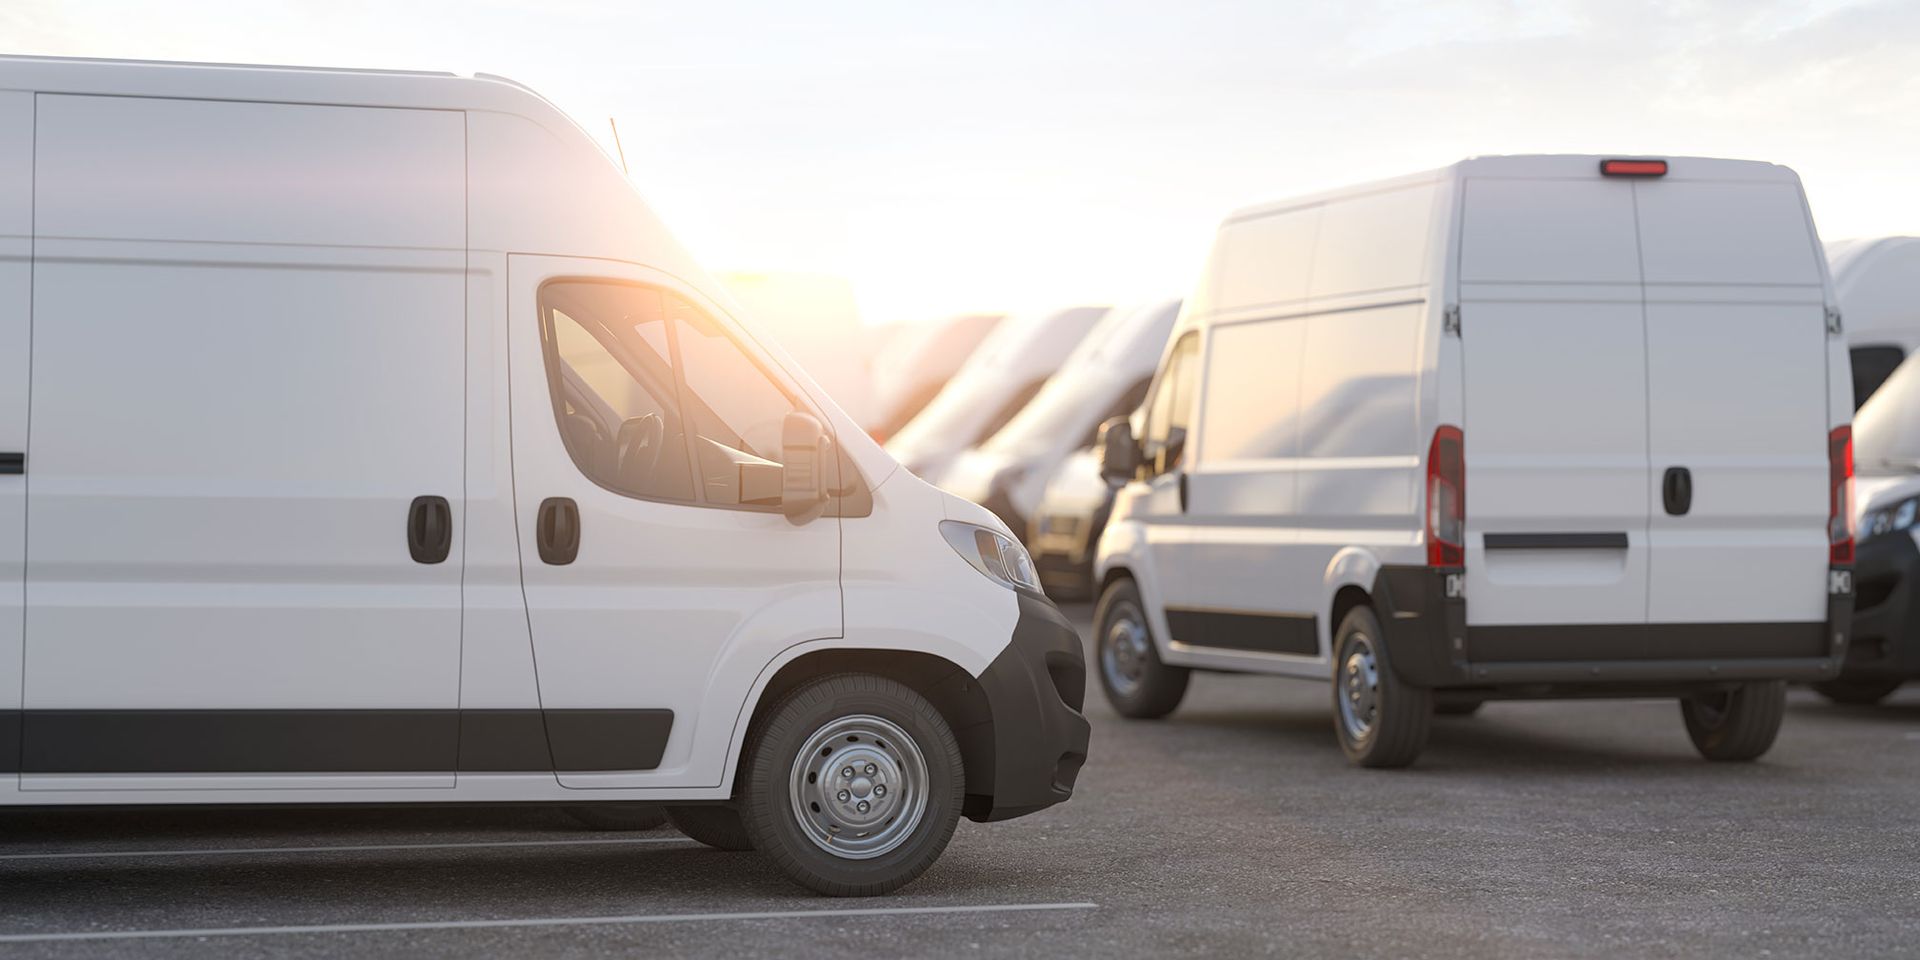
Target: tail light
column 1447, row 499
column 1633, row 168
column 1840, row 496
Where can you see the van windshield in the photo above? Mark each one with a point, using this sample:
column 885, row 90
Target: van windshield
column 1886, row 431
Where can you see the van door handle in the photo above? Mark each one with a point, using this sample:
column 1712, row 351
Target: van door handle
column 1183, row 492
column 430, row 529
column 1676, row 491
column 557, row 530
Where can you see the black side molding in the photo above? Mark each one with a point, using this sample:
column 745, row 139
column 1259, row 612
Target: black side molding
column 1556, row 541
column 13, row 464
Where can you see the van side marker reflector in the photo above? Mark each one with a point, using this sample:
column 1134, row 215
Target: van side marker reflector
column 1633, row 168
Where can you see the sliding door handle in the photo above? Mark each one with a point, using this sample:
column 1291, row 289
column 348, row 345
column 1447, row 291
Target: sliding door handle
column 557, row 530
column 430, row 529
column 13, row 464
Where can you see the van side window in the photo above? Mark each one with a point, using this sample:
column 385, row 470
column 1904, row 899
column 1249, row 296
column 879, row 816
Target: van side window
column 613, row 388
column 1163, row 443
column 736, row 412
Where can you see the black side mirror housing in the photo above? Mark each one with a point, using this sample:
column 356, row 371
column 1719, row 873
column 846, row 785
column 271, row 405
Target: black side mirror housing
column 1119, row 454
column 804, row 448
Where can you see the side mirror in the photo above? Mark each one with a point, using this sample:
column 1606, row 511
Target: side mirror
column 1119, row 455
column 804, row 448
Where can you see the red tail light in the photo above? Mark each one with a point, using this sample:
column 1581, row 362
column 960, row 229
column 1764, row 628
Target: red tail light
column 1633, row 168
column 1447, row 499
column 1840, row 496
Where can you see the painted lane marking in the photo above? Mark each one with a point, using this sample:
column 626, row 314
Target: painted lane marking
column 357, row 848
column 539, row 922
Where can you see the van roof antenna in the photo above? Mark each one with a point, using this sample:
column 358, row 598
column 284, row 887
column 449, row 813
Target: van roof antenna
column 618, row 147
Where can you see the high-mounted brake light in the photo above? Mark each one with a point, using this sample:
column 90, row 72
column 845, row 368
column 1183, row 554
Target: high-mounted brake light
column 1633, row 168
column 1447, row 499
column 1840, row 496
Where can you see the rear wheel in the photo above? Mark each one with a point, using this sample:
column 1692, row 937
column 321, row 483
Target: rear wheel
column 1137, row 684
column 1736, row 725
column 1856, row 691
column 716, row 826
column 853, row 785
column 618, row 816
column 1381, row 720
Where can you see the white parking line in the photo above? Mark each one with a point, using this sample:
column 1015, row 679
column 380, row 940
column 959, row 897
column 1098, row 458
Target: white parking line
column 540, row 922
column 360, row 848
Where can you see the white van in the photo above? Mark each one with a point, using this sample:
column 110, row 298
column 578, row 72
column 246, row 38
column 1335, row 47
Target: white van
column 382, row 447
column 1105, row 377
column 915, row 364
column 1521, row 427
column 1877, row 282
column 1001, row 377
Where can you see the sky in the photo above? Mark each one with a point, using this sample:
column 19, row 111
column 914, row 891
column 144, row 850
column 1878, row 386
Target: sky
column 1018, row 155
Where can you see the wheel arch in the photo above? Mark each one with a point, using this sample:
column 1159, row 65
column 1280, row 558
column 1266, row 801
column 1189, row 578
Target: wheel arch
column 1349, row 582
column 948, row 686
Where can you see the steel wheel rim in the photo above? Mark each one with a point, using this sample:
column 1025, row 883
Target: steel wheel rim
column 859, row 787
column 1359, row 688
column 1124, row 648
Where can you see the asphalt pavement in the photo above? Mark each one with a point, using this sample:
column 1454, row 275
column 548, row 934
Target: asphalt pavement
column 1233, row 828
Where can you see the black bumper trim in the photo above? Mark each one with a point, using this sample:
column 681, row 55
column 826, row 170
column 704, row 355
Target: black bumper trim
column 1424, row 628
column 1035, row 689
column 1886, row 625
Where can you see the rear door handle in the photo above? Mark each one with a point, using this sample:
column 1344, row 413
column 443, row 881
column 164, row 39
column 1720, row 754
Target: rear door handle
column 557, row 530
column 1676, row 490
column 13, row 464
column 430, row 529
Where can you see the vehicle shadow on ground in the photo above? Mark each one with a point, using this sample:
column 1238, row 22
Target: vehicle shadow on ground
column 1457, row 745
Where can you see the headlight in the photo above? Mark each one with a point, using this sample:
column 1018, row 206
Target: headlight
column 1892, row 519
column 993, row 553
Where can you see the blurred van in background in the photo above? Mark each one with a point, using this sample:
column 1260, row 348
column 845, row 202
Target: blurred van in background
column 915, row 363
column 1067, row 524
column 1477, row 433
column 1885, row 650
column 1003, row 375
column 1878, row 283
column 1105, row 377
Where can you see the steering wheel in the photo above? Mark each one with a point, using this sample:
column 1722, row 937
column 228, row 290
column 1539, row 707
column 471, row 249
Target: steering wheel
column 638, row 448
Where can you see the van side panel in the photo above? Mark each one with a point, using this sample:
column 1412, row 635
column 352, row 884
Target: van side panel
column 250, row 361
column 16, row 292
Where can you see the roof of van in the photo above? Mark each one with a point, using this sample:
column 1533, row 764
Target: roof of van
column 287, row 84
column 1533, row 166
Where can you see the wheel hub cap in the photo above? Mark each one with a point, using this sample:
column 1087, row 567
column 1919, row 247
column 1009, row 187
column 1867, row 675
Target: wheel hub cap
column 859, row 787
column 1359, row 689
column 1124, row 649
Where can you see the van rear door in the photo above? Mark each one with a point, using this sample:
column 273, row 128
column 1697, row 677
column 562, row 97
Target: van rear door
column 1737, row 405
column 1554, row 354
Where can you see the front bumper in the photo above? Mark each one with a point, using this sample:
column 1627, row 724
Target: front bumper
column 1429, row 644
column 1035, row 690
column 1886, row 621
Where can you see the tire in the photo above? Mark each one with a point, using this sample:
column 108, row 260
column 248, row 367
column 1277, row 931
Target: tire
column 1858, row 692
column 1738, row 725
column 618, row 816
column 717, row 826
column 1380, row 720
column 1456, row 706
column 1136, row 682
column 835, row 737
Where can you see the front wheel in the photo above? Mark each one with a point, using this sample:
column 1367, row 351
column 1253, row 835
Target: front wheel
column 1381, row 720
column 1136, row 682
column 1736, row 725
column 853, row 785
column 1858, row 692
